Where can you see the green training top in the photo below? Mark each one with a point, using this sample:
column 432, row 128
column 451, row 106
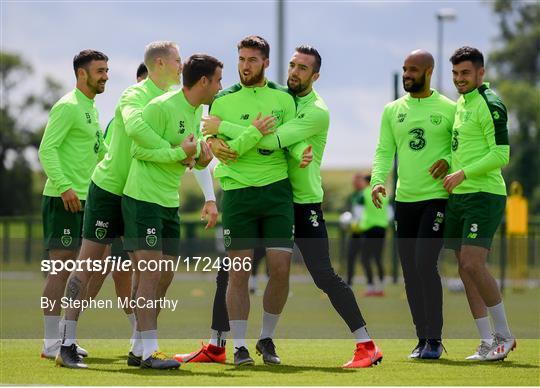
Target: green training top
column 129, row 126
column 240, row 105
column 371, row 216
column 310, row 126
column 172, row 118
column 480, row 142
column 356, row 201
column 72, row 144
column 420, row 130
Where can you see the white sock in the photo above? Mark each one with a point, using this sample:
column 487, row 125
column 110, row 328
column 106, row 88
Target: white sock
column 269, row 325
column 68, row 330
column 484, row 329
column 499, row 320
column 218, row 338
column 361, row 335
column 239, row 329
column 51, row 326
column 137, row 344
column 149, row 342
column 252, row 282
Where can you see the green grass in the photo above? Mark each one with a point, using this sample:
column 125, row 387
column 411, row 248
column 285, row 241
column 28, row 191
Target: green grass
column 313, row 341
column 306, row 362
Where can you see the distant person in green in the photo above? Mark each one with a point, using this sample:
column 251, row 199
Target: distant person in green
column 477, row 200
column 368, row 230
column 417, row 128
column 373, row 224
column 355, row 205
column 103, row 220
column 151, row 209
column 71, row 146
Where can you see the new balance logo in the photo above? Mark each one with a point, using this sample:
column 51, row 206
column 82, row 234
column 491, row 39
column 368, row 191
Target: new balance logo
column 244, row 116
column 313, row 218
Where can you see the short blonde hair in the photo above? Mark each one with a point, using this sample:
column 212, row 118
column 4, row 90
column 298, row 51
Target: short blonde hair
column 157, row 49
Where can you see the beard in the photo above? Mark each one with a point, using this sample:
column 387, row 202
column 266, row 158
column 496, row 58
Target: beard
column 254, row 79
column 416, row 86
column 95, row 86
column 298, row 88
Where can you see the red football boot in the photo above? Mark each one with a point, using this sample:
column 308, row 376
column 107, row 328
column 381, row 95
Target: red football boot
column 365, row 355
column 207, row 353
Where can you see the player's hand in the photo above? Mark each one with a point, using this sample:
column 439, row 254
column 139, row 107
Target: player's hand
column 189, row 145
column 377, row 201
column 264, row 125
column 222, row 151
column 209, row 213
column 189, row 162
column 210, row 125
column 439, row 169
column 307, row 157
column 71, row 201
column 453, row 180
column 206, row 155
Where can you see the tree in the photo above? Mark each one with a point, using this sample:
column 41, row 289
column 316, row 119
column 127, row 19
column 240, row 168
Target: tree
column 18, row 133
column 516, row 63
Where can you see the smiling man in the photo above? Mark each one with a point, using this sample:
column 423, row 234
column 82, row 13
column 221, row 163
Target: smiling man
column 418, row 128
column 72, row 145
column 103, row 220
column 478, row 197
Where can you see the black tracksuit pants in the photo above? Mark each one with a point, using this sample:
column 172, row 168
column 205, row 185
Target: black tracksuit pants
column 419, row 227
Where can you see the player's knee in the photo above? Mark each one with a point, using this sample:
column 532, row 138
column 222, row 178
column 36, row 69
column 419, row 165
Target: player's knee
column 280, row 272
column 166, row 277
column 238, row 277
column 324, row 279
column 150, row 276
column 469, row 267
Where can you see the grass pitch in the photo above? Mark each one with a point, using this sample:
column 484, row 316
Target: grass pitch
column 313, row 342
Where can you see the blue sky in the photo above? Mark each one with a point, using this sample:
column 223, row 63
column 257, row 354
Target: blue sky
column 362, row 44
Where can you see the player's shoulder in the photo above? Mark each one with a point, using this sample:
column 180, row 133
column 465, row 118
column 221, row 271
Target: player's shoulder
column 139, row 90
column 133, row 91
column 67, row 102
column 319, row 102
column 491, row 99
column 280, row 90
column 165, row 97
column 318, row 107
column 392, row 105
column 277, row 87
column 229, row 91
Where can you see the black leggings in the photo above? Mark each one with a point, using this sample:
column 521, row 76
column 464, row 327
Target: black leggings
column 354, row 249
column 311, row 238
column 372, row 248
column 420, row 232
